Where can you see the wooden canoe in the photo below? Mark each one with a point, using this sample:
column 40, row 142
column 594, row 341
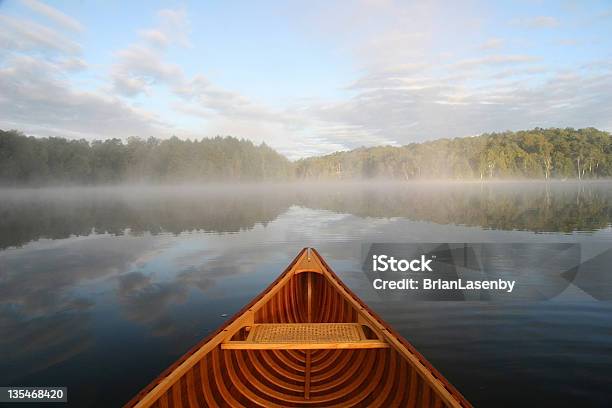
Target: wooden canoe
column 306, row 341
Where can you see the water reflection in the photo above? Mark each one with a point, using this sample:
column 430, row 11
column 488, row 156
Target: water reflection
column 44, row 311
column 126, row 280
column 540, row 207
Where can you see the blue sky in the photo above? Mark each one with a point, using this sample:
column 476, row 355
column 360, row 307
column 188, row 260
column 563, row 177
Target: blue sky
column 307, row 78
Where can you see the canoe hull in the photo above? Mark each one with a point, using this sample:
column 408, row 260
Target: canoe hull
column 230, row 369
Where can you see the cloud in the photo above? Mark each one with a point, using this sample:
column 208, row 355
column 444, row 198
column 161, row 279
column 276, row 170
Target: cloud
column 175, row 24
column 139, row 67
column 54, row 14
column 576, row 99
column 173, row 27
column 222, row 102
column 37, row 95
column 396, row 76
column 48, row 105
column 24, row 35
column 493, row 60
column 155, row 37
column 142, row 66
column 537, row 22
column 73, row 64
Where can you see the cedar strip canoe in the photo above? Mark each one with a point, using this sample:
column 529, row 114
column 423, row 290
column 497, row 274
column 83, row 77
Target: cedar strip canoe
column 306, row 341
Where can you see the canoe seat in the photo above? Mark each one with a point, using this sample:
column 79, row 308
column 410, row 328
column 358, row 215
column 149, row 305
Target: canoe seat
column 305, row 336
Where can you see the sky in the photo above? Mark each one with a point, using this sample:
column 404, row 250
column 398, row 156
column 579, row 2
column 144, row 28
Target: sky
column 306, row 78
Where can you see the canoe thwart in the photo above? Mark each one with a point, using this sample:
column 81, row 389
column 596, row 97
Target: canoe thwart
column 305, row 336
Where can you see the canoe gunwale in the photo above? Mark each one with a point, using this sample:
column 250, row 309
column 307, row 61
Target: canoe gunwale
column 166, row 379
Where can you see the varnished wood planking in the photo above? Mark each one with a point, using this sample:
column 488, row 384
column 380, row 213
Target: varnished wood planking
column 306, row 292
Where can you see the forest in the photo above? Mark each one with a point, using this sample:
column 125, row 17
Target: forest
column 538, row 154
column 534, row 154
column 30, row 160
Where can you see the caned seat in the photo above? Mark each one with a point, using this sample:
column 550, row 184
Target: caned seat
column 305, row 336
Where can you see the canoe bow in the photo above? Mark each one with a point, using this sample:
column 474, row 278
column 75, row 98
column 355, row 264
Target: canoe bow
column 305, row 341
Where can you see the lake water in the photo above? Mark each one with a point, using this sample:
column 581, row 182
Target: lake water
column 103, row 288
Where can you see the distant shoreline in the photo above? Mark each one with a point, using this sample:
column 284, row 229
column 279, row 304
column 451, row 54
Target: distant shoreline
column 246, row 186
column 537, row 154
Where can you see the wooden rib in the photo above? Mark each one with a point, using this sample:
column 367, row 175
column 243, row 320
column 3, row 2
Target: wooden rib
column 191, row 393
column 373, row 379
column 286, row 359
column 176, row 395
column 220, row 381
column 400, row 389
column 163, row 401
column 386, row 390
column 348, row 379
column 206, row 385
column 322, row 379
column 245, row 389
column 264, row 360
column 412, row 392
column 260, row 371
column 425, row 395
column 307, row 376
column 334, row 362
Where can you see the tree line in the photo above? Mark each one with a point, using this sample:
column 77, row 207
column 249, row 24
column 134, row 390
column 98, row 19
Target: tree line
column 30, row 160
column 538, row 153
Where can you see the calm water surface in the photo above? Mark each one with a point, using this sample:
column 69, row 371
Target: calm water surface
column 103, row 288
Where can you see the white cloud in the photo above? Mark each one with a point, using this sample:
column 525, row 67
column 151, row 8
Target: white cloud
column 25, row 36
column 37, row 95
column 72, row 64
column 143, row 65
column 493, row 60
column 576, row 99
column 54, row 15
column 155, row 37
column 37, row 99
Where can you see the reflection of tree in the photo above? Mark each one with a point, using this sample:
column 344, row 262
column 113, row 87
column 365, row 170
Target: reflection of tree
column 58, row 215
column 539, row 207
column 525, row 206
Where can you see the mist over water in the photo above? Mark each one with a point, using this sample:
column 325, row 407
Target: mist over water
column 123, row 280
column 53, row 213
